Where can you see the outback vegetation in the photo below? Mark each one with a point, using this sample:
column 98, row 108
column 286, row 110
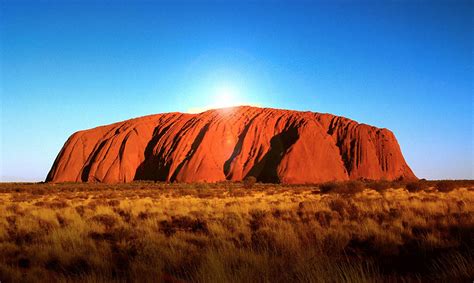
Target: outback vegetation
column 237, row 232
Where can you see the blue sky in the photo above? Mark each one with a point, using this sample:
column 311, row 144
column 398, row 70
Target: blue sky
column 71, row 65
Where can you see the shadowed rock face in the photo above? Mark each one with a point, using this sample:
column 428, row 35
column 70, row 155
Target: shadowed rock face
column 230, row 144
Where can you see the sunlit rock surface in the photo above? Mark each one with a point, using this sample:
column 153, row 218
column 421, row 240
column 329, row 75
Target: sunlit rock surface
column 229, row 144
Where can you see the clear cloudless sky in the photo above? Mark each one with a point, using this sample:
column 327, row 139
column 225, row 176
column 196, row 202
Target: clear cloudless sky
column 72, row 65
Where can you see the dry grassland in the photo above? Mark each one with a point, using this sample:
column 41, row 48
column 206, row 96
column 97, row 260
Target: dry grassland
column 156, row 232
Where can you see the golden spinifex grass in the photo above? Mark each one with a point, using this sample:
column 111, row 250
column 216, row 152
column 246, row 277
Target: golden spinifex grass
column 227, row 233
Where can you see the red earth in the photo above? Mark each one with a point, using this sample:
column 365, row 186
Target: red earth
column 230, row 144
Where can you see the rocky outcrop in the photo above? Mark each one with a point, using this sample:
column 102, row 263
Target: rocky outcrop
column 229, row 144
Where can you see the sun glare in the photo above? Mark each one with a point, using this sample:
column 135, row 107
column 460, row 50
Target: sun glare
column 222, row 96
column 225, row 96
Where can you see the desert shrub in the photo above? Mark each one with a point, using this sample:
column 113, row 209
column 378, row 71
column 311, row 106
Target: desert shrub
column 350, row 187
column 107, row 220
column 113, row 202
column 231, row 221
column 446, row 185
column 45, row 225
column 185, row 224
column 264, row 240
column 379, row 185
column 355, row 186
column 339, row 205
column 39, row 191
column 202, row 186
column 144, row 215
column 328, row 187
column 21, row 236
column 57, row 204
column 416, row 186
column 63, row 222
column 276, row 213
column 11, row 220
column 81, row 209
column 258, row 217
column 14, row 208
column 249, row 182
column 205, row 194
column 324, row 218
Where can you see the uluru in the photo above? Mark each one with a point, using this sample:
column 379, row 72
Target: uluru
column 273, row 145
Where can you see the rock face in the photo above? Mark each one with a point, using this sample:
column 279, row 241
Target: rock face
column 230, row 144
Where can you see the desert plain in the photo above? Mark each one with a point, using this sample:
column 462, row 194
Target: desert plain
column 352, row 231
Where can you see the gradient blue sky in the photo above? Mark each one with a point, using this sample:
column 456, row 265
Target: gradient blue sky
column 71, row 65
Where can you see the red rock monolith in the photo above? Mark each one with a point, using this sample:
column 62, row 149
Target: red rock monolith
column 230, row 144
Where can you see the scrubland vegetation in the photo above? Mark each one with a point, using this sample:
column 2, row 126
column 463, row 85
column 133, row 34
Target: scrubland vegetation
column 232, row 232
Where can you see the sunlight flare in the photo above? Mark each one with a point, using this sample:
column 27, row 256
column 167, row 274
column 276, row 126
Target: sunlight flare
column 224, row 95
